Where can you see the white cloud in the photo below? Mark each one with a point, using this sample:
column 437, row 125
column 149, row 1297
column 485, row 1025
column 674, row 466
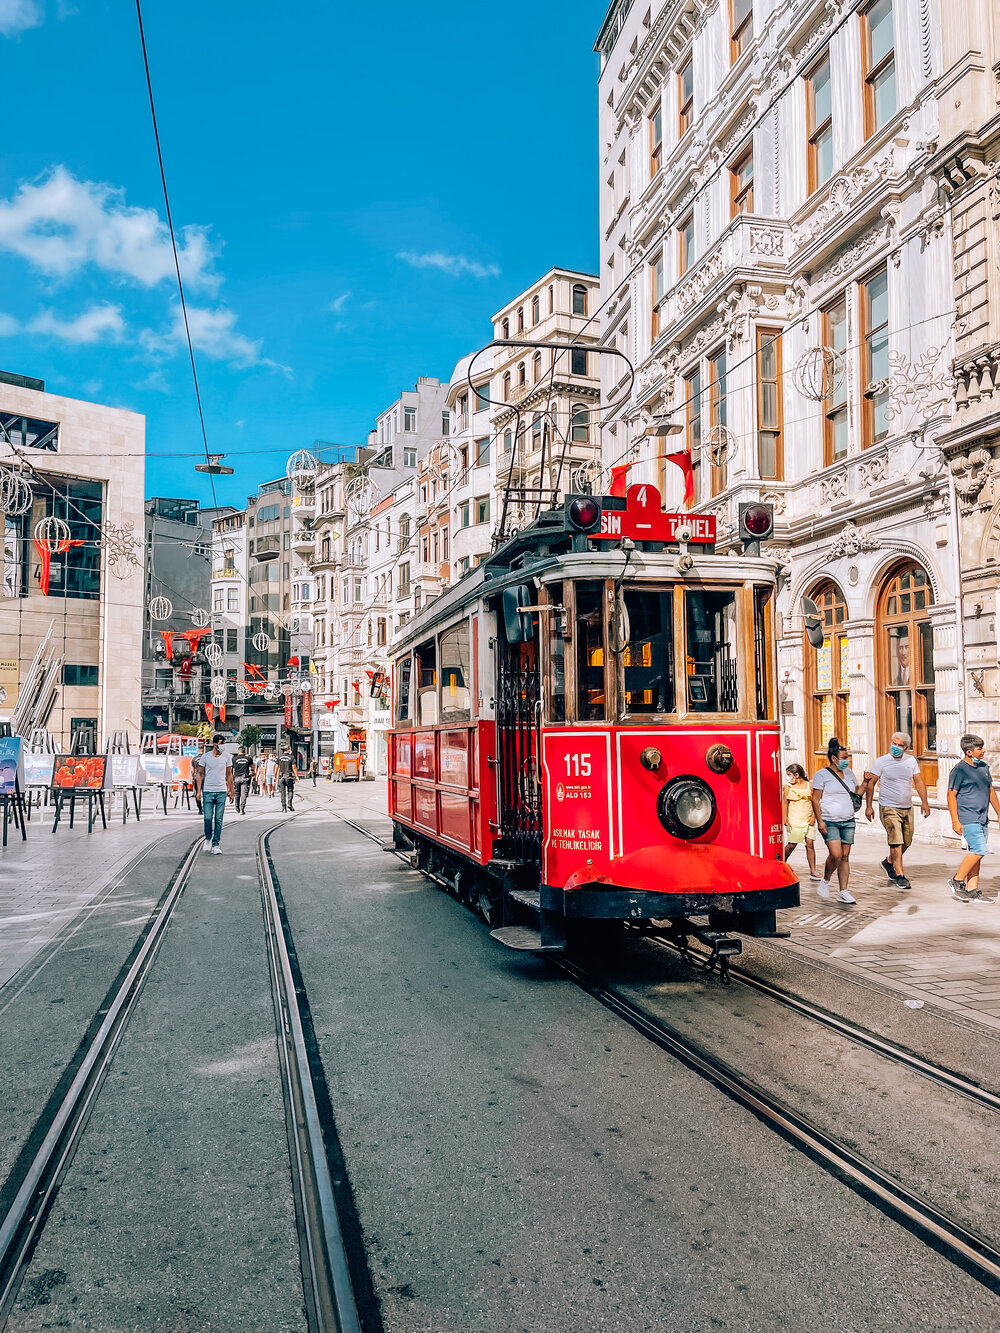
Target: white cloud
column 98, row 324
column 61, row 224
column 212, row 332
column 8, row 326
column 16, row 15
column 337, row 305
column 456, row 265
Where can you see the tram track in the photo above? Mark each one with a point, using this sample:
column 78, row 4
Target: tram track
column 331, row 1270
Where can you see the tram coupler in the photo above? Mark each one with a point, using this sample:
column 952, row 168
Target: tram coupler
column 723, row 948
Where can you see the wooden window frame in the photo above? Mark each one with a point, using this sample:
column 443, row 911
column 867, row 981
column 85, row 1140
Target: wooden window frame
column 655, row 118
column 829, row 597
column 829, row 410
column 741, row 195
column 916, row 688
column 869, row 72
column 654, row 298
column 815, row 131
column 771, row 335
column 682, row 260
column 868, row 439
column 685, row 105
column 717, row 412
column 739, row 38
column 692, row 417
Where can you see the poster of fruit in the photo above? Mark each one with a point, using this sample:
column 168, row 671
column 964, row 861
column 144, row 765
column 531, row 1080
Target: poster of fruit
column 11, row 765
column 154, row 766
column 38, row 769
column 80, row 771
column 125, row 770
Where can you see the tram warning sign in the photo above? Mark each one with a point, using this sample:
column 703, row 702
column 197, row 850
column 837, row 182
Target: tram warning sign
column 644, row 520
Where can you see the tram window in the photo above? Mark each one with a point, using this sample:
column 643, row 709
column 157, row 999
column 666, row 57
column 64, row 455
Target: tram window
column 649, row 653
column 763, row 664
column 426, row 674
column 557, row 656
column 455, row 659
column 403, row 672
column 712, row 671
column 590, row 651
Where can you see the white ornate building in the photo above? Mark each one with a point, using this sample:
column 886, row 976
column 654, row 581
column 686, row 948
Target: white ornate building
column 780, row 178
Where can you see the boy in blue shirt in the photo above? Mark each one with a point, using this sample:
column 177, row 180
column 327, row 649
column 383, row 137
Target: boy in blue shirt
column 970, row 795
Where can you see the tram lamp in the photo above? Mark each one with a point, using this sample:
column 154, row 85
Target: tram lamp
column 214, row 466
column 662, row 427
column 584, row 513
column 813, row 622
column 756, row 521
column 686, row 807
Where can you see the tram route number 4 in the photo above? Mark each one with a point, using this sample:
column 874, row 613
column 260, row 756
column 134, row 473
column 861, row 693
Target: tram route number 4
column 644, row 520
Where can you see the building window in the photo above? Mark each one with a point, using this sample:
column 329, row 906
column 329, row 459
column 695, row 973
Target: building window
column 404, row 579
column 483, row 452
column 655, row 140
column 483, row 509
column 445, row 423
column 718, row 414
column 482, row 397
column 577, row 361
column 358, row 595
column 685, row 97
column 409, row 418
column 521, row 376
column 445, row 544
column 741, row 28
column 692, row 396
column 826, row 674
column 463, row 565
column 656, row 294
column 579, row 299
column 520, row 319
column 552, row 297
column 463, row 514
column 463, row 409
column 819, row 102
column 769, row 405
column 835, row 402
column 536, row 310
column 425, row 548
column 875, row 357
column 74, row 674
column 904, row 665
column 232, row 641
column 506, row 386
column 879, row 65
column 579, row 424
column 685, row 243
column 508, row 440
column 741, row 185
column 536, row 431
column 380, row 636
column 505, row 328
column 218, row 599
column 232, row 599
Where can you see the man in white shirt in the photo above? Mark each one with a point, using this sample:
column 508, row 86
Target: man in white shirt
column 213, row 780
column 896, row 774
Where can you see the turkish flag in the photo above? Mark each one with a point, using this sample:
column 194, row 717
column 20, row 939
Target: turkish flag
column 682, row 459
column 209, row 712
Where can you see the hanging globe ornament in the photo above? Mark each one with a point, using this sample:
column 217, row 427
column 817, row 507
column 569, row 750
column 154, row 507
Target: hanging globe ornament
column 721, row 445
column 301, row 469
column 51, row 532
column 271, row 691
column 305, row 685
column 241, row 691
column 15, row 493
column 819, row 373
column 214, row 654
column 161, row 608
column 220, row 689
column 200, row 618
column 261, row 641
column 362, row 496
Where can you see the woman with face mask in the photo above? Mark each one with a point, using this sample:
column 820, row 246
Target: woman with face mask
column 836, row 801
column 800, row 821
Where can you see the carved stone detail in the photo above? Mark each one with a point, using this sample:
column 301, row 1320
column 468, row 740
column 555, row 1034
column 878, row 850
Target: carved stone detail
column 767, row 242
column 843, row 192
column 851, row 542
column 972, row 474
column 872, row 472
column 777, row 500
column 833, row 487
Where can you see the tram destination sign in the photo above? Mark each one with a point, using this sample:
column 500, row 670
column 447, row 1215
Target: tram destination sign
column 644, row 520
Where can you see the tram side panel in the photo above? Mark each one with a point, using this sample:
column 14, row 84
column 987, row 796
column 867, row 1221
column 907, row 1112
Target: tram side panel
column 439, row 786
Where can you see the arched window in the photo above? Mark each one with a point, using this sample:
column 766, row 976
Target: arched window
column 579, row 299
column 520, row 319
column 904, row 664
column 507, row 441
column 505, row 328
column 826, row 674
column 580, row 423
column 520, row 373
column 552, row 297
column 506, row 386
column 536, row 366
column 326, row 550
column 535, row 310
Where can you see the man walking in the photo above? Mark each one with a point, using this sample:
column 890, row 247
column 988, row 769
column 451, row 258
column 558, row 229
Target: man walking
column 970, row 795
column 286, row 778
column 313, row 769
column 213, row 781
column 242, row 768
column 896, row 774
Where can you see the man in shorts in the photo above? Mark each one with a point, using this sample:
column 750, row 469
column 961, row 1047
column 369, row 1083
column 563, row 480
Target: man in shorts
column 970, row 795
column 896, row 774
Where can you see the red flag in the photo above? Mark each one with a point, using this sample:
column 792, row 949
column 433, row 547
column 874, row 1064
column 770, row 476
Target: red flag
column 209, row 712
column 167, row 635
column 619, row 483
column 45, row 552
column 682, row 459
column 222, row 712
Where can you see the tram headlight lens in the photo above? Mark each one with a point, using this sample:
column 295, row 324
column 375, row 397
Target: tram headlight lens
column 584, row 514
column 686, row 807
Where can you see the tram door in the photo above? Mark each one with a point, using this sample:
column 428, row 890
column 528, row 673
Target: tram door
column 518, row 716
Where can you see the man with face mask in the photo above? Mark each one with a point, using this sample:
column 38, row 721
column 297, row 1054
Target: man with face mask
column 896, row 774
column 970, row 796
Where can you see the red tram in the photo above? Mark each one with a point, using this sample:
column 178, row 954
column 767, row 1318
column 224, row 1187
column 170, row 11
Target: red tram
column 585, row 729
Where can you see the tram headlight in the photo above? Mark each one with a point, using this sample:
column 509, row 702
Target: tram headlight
column 686, row 807
column 584, row 513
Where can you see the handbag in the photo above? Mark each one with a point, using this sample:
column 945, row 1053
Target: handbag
column 856, row 798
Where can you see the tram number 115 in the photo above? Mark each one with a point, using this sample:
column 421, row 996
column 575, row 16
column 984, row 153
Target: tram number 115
column 577, row 765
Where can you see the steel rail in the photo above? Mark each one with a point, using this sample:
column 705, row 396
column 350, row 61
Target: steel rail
column 326, row 1274
column 23, row 1221
column 970, row 1252
column 852, row 1031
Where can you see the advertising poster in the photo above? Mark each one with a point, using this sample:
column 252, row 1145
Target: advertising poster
column 11, row 765
column 38, row 769
column 190, row 749
column 10, row 679
column 154, row 766
column 124, row 770
column 79, row 771
column 180, row 768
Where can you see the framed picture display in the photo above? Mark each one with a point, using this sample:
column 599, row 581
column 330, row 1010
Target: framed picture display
column 79, row 771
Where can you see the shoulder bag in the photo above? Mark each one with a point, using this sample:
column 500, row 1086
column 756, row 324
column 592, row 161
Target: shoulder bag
column 856, row 798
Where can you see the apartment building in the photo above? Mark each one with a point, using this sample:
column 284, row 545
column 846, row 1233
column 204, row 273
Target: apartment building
column 787, row 192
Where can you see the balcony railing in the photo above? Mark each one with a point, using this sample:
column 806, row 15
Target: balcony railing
column 267, row 548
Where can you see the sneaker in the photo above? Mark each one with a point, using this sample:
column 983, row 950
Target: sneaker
column 959, row 891
column 823, row 888
column 208, row 845
column 902, row 882
column 216, row 851
column 844, row 897
column 890, row 873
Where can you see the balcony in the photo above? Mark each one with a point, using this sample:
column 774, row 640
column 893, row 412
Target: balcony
column 267, row 548
column 303, row 542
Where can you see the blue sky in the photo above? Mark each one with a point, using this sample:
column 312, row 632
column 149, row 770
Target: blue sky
column 358, row 188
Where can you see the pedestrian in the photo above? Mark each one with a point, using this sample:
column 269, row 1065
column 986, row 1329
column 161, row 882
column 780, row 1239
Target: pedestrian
column 313, row 770
column 799, row 816
column 836, row 801
column 970, row 795
column 267, row 771
column 242, row 768
column 286, row 779
column 896, row 774
column 213, row 778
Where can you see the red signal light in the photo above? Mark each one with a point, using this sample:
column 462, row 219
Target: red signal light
column 758, row 520
column 584, row 514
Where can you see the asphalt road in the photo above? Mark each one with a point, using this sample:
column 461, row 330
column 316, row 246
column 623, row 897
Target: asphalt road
column 522, row 1160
